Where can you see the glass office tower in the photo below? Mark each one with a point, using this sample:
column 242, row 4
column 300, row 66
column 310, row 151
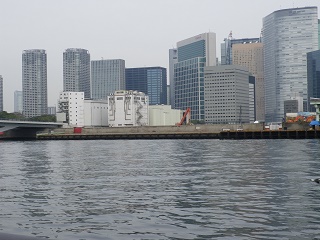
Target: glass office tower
column 193, row 55
column 149, row 80
column 313, row 62
column 287, row 37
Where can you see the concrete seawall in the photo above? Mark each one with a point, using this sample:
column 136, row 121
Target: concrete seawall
column 206, row 131
column 203, row 128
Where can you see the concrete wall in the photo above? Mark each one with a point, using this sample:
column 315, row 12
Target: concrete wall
column 216, row 128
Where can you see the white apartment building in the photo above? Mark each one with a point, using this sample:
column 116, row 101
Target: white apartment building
column 128, row 108
column 163, row 115
column 71, row 108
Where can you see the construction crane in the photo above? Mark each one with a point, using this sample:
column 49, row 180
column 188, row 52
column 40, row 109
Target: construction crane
column 186, row 116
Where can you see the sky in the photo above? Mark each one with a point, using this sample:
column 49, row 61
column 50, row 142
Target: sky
column 139, row 31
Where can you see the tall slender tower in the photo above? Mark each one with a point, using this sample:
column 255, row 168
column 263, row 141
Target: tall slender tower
column 76, row 71
column 288, row 35
column 34, row 82
column 1, row 93
column 107, row 76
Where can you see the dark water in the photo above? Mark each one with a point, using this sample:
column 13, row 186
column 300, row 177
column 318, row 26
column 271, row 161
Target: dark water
column 162, row 189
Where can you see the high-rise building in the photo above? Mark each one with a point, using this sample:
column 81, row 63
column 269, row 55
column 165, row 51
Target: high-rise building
column 226, row 47
column 1, row 93
column 250, row 55
column 227, row 98
column 193, row 55
column 313, row 62
column 149, row 80
column 173, row 59
column 319, row 31
column 34, row 82
column 76, row 71
column 18, row 102
column 287, row 37
column 107, row 76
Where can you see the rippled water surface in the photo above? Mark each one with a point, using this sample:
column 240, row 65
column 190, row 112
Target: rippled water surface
column 161, row 189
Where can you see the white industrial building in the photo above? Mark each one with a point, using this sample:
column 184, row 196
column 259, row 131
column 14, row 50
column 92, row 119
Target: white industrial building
column 77, row 112
column 128, row 108
column 163, row 115
column 96, row 113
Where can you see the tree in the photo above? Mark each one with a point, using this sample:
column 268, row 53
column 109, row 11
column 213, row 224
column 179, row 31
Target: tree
column 11, row 116
column 43, row 118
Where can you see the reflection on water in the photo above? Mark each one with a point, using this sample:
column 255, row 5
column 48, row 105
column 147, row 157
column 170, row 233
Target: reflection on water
column 170, row 189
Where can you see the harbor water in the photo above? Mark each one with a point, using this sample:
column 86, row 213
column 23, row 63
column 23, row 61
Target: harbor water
column 160, row 189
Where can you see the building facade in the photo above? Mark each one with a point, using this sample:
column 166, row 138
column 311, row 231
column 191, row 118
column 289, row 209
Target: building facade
column 71, row 108
column 18, row 102
column 34, row 82
column 250, row 55
column 193, row 55
column 76, row 71
column 149, row 80
column 293, row 106
column 226, row 94
column 227, row 46
column 128, row 108
column 173, row 59
column 96, row 113
column 1, row 93
column 252, row 100
column 107, row 76
column 164, row 115
column 313, row 73
column 287, row 37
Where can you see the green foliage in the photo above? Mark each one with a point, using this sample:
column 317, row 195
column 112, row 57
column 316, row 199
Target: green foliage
column 11, row 116
column 197, row 122
column 44, row 118
column 19, row 117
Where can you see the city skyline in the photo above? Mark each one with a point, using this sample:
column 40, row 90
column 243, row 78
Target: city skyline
column 152, row 32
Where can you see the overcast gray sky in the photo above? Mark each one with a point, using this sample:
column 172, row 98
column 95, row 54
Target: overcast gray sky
column 138, row 31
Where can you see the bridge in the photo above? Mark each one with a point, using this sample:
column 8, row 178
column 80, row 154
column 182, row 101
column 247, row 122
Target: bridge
column 15, row 130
